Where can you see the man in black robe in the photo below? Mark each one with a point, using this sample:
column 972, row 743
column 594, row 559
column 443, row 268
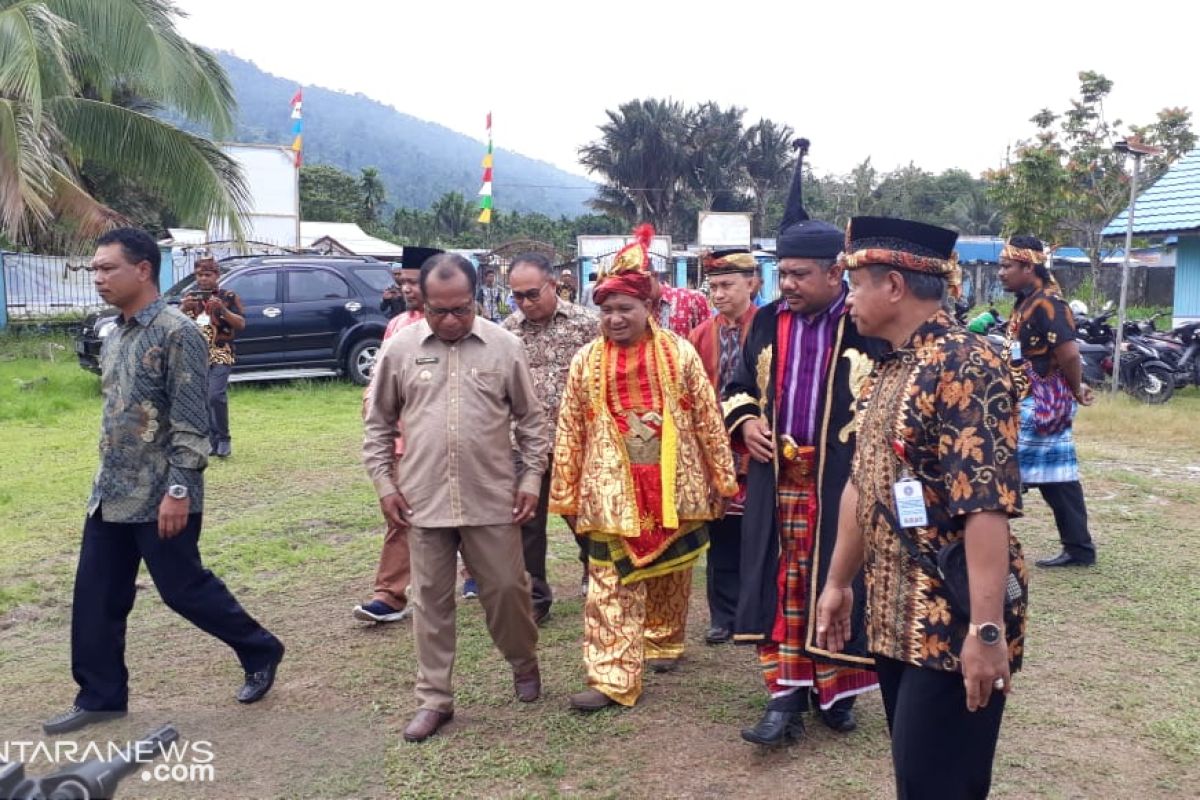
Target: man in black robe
column 791, row 405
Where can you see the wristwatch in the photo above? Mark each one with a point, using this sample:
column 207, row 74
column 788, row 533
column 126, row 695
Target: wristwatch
column 988, row 632
column 177, row 491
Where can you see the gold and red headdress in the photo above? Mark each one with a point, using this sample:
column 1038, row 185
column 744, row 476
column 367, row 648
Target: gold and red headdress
column 629, row 272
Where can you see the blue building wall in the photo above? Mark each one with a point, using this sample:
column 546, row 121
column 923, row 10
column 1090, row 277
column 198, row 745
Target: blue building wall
column 1187, row 279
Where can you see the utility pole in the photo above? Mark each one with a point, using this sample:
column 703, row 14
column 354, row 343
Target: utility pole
column 1137, row 150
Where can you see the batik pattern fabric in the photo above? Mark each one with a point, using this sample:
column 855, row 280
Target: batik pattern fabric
column 594, row 478
column 1041, row 321
column 154, row 423
column 681, row 310
column 946, row 400
column 626, row 623
column 549, row 347
column 782, row 659
column 218, row 333
column 721, row 343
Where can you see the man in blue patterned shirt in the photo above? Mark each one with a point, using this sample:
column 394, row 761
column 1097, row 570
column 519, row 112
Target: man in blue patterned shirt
column 148, row 495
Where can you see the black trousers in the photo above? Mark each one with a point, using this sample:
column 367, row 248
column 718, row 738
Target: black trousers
column 533, row 545
column 1070, row 516
column 218, row 403
column 724, row 562
column 940, row 750
column 104, row 594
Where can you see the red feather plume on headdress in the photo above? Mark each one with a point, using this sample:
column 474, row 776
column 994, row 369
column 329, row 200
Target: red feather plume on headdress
column 629, row 273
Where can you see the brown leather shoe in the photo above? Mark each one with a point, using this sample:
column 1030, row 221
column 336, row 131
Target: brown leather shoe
column 662, row 664
column 590, row 700
column 425, row 723
column 528, row 684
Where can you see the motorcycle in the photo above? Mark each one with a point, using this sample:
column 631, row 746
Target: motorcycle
column 1180, row 349
column 1144, row 373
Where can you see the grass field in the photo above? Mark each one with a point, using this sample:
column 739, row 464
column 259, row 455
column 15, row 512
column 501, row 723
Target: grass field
column 1106, row 707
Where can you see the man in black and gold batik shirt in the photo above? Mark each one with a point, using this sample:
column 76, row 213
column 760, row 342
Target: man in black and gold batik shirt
column 219, row 314
column 148, row 495
column 937, row 425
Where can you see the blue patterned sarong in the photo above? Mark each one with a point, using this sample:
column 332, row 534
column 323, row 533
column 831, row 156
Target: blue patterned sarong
column 1046, row 458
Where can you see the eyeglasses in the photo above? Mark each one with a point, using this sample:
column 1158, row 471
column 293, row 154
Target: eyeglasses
column 531, row 295
column 460, row 312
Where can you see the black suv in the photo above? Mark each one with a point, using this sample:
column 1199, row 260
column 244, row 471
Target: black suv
column 306, row 316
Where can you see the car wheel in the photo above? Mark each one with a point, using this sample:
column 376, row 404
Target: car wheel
column 360, row 361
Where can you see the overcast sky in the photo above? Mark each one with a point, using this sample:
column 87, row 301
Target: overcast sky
column 942, row 84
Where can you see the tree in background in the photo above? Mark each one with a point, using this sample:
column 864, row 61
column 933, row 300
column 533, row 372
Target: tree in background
column 769, row 160
column 1067, row 183
column 329, row 195
column 373, row 195
column 641, row 156
column 61, row 62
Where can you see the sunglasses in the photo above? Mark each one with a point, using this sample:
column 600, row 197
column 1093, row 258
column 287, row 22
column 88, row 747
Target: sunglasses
column 531, row 295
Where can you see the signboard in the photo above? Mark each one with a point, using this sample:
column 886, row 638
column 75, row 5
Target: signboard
column 724, row 229
column 274, row 208
column 601, row 249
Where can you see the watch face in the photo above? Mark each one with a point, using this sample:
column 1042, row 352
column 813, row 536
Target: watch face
column 989, row 633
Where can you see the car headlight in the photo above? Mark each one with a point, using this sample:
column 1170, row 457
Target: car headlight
column 105, row 328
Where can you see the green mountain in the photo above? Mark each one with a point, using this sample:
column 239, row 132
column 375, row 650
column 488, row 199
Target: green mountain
column 418, row 161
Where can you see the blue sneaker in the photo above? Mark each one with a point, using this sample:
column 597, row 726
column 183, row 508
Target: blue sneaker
column 379, row 611
column 470, row 589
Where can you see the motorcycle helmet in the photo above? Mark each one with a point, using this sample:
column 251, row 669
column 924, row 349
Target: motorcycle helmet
column 1078, row 308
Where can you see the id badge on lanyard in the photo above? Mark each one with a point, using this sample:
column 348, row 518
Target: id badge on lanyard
column 908, row 494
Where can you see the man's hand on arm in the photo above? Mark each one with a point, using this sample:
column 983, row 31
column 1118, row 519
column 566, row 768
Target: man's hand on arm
column 524, row 507
column 837, row 598
column 758, row 439
column 1068, row 360
column 395, row 509
column 986, row 540
column 172, row 516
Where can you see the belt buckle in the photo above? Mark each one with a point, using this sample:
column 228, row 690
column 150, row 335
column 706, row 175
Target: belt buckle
column 797, row 457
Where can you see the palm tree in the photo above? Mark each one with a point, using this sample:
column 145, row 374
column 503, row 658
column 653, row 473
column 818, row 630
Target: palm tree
column 61, row 63
column 769, row 161
column 373, row 194
column 642, row 156
column 453, row 215
column 716, row 155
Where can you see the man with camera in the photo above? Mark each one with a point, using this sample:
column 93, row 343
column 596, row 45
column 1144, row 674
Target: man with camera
column 220, row 316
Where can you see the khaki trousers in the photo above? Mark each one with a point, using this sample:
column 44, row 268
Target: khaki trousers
column 395, row 569
column 493, row 555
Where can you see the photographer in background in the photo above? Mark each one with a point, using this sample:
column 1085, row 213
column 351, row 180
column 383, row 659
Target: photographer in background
column 393, row 303
column 219, row 314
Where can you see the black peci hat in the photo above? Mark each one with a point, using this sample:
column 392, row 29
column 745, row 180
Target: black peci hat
column 414, row 257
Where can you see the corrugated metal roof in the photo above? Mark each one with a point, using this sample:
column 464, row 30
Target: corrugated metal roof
column 1171, row 204
column 350, row 236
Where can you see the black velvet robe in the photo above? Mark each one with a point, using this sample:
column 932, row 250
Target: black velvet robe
column 835, row 439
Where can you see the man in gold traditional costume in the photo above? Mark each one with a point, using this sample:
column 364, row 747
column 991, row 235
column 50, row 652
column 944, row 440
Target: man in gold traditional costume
column 641, row 462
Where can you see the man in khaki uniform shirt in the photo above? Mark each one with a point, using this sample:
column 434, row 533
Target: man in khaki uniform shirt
column 458, row 384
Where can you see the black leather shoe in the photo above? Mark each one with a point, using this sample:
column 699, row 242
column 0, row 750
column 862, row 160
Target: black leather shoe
column 718, row 635
column 841, row 720
column 1065, row 559
column 259, row 683
column 75, row 718
column 776, row 727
